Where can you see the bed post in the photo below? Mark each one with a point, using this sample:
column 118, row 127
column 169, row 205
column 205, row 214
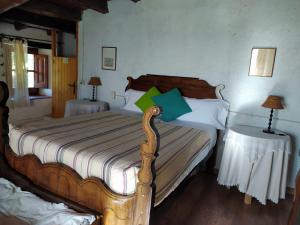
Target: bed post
column 3, row 116
column 145, row 176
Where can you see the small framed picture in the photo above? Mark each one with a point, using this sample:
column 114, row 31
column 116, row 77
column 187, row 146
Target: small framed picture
column 109, row 58
column 262, row 62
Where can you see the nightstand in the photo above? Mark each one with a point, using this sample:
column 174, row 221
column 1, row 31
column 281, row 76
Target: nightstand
column 255, row 162
column 78, row 107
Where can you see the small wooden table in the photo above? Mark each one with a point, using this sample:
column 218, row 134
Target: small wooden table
column 79, row 107
column 256, row 163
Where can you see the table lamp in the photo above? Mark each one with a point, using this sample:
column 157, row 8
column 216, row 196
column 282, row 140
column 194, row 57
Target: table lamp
column 94, row 81
column 272, row 102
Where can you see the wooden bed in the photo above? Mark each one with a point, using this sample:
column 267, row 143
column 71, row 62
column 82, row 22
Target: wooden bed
column 59, row 183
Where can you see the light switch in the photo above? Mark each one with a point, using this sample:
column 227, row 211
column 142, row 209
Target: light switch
column 113, row 94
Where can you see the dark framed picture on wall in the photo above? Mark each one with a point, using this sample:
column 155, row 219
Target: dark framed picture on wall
column 109, row 58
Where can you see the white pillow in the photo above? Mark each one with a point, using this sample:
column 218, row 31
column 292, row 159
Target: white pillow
column 209, row 111
column 131, row 96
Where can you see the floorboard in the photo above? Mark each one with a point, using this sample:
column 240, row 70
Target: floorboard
column 201, row 201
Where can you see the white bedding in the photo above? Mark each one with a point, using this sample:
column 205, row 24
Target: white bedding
column 202, row 126
column 106, row 145
column 34, row 210
column 213, row 112
column 200, row 156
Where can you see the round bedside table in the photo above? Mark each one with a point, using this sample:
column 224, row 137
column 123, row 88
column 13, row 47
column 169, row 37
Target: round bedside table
column 79, row 107
column 255, row 162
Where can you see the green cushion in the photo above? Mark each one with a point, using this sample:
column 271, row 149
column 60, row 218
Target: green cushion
column 173, row 105
column 145, row 102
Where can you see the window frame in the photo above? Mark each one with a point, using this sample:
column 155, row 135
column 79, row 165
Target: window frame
column 34, row 91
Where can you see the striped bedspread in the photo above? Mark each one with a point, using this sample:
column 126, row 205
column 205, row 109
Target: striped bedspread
column 106, row 145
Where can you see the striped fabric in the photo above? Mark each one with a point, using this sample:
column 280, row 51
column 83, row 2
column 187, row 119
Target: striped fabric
column 106, row 145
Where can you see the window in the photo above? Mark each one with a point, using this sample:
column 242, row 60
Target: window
column 37, row 70
column 30, row 70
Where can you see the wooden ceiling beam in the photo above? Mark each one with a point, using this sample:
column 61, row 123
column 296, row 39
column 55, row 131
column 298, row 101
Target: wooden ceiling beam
column 18, row 15
column 50, row 9
column 98, row 5
column 6, row 5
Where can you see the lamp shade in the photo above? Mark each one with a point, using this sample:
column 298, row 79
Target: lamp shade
column 273, row 102
column 95, row 81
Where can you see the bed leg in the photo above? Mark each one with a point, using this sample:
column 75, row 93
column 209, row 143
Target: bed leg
column 146, row 174
column 247, row 199
column 3, row 116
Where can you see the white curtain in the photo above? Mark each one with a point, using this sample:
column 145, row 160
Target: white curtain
column 15, row 57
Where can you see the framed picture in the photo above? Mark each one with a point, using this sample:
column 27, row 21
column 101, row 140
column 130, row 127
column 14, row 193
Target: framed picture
column 109, row 58
column 262, row 62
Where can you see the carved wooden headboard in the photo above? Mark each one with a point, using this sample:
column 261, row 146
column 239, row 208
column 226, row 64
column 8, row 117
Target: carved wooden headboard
column 189, row 86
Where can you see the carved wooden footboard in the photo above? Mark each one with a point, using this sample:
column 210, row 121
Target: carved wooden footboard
column 61, row 183
column 92, row 193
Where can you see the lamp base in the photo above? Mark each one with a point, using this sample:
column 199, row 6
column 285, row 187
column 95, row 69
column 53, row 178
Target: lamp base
column 93, row 100
column 267, row 131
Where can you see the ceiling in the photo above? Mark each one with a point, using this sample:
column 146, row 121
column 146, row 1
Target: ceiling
column 61, row 15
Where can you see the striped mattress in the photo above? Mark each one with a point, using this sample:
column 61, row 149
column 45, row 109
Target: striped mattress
column 106, row 145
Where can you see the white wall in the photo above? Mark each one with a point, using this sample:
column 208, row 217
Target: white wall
column 209, row 39
column 69, row 46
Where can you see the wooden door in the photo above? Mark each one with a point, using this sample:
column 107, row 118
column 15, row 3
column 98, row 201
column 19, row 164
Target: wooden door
column 40, row 71
column 64, row 83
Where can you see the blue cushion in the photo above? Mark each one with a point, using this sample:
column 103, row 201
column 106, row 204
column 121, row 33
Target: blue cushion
column 172, row 103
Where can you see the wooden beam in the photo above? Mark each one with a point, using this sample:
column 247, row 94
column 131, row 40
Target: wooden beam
column 44, row 21
column 98, row 5
column 19, row 26
column 248, row 199
column 50, row 9
column 35, row 44
column 53, row 43
column 6, row 5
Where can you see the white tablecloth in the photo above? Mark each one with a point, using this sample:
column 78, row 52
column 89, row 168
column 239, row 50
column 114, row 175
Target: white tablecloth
column 78, row 107
column 256, row 162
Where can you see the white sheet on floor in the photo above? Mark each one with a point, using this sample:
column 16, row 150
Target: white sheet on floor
column 33, row 210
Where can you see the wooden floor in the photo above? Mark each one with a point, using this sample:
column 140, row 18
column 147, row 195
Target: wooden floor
column 201, row 201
